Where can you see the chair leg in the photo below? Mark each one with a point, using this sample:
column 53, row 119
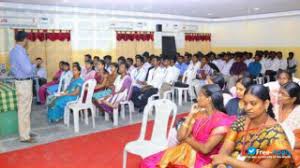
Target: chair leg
column 93, row 110
column 106, row 116
column 179, row 97
column 76, row 120
column 131, row 110
column 67, row 116
column 123, row 111
column 185, row 95
column 116, row 116
column 124, row 158
column 86, row 116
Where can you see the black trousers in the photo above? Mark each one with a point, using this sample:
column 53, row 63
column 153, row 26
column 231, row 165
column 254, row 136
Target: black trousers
column 272, row 75
column 140, row 98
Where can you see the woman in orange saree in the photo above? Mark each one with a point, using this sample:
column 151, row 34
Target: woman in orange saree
column 200, row 135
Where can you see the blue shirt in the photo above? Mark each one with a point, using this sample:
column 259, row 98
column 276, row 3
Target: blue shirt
column 254, row 68
column 182, row 68
column 19, row 63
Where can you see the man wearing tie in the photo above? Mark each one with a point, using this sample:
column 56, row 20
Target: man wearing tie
column 22, row 70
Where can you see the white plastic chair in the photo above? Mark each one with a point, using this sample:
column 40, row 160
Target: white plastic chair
column 116, row 99
column 164, row 108
column 130, row 104
column 183, row 91
column 79, row 105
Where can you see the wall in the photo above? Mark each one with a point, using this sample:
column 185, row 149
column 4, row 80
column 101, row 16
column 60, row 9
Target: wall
column 279, row 34
column 90, row 28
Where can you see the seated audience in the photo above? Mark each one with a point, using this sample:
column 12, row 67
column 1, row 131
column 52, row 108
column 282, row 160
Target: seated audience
column 225, row 69
column 283, row 77
column 170, row 77
column 122, row 86
column 151, row 86
column 235, row 106
column 64, row 80
column 255, row 131
column 200, row 135
column 220, row 81
column 283, row 62
column 291, row 63
column 237, row 68
column 255, row 67
column 55, row 80
column 96, row 59
column 138, row 75
column 109, row 88
column 129, row 61
column 274, row 65
column 107, row 60
column 121, row 59
column 202, row 72
column 41, row 77
column 88, row 72
column 287, row 113
column 181, row 66
column 102, row 88
column 56, row 108
column 87, row 57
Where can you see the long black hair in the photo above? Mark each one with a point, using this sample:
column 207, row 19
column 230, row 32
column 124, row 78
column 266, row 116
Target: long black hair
column 245, row 81
column 293, row 89
column 263, row 93
column 215, row 92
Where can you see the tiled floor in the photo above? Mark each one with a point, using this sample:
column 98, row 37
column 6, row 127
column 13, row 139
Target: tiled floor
column 52, row 132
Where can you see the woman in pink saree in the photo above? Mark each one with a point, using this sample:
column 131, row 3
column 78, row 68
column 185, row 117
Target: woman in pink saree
column 200, row 135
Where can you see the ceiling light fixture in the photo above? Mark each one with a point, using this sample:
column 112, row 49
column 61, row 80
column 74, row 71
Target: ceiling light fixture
column 209, row 14
column 256, row 9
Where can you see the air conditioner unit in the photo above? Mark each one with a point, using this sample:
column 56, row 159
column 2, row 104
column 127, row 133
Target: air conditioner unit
column 189, row 28
column 122, row 26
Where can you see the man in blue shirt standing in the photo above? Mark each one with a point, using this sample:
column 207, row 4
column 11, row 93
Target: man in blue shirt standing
column 22, row 70
column 255, row 67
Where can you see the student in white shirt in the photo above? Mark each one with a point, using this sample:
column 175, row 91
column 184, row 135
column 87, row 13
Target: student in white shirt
column 151, row 86
column 138, row 74
column 225, row 70
column 147, row 61
column 171, row 75
column 291, row 63
column 203, row 71
column 283, row 62
column 248, row 58
column 219, row 62
column 274, row 67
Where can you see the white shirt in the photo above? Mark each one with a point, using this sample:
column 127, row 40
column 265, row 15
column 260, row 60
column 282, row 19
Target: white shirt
column 263, row 68
column 283, row 64
column 275, row 64
column 40, row 72
column 192, row 69
column 225, row 70
column 156, row 77
column 131, row 68
column 65, row 80
column 219, row 63
column 292, row 62
column 171, row 74
column 248, row 61
column 138, row 74
column 146, row 66
column 267, row 64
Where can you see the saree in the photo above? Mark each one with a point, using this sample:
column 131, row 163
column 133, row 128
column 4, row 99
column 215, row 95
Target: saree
column 100, row 93
column 269, row 138
column 183, row 155
column 56, row 109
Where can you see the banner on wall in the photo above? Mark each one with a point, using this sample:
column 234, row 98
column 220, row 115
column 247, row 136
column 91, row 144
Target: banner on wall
column 18, row 22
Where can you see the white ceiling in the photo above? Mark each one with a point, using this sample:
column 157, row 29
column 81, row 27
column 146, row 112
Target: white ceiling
column 193, row 8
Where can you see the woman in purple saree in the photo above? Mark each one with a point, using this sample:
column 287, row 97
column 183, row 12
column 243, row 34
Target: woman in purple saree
column 200, row 135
